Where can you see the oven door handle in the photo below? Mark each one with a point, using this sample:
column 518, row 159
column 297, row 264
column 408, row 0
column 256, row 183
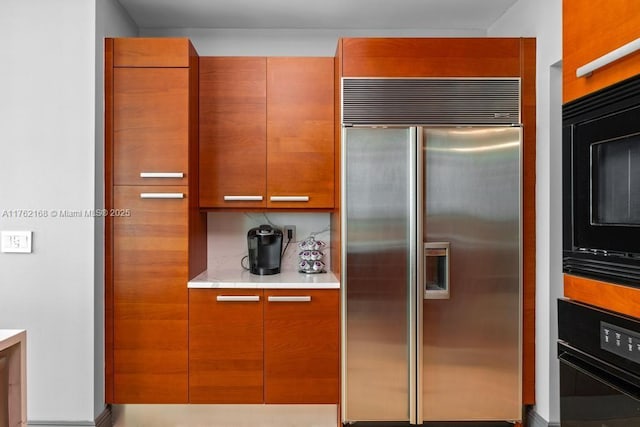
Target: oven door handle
column 616, row 378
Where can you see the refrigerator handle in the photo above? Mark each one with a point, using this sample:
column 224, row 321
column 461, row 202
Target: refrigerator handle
column 436, row 282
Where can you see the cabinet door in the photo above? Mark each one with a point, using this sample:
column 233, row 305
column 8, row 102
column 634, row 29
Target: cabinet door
column 150, row 125
column 301, row 346
column 151, row 52
column 232, row 132
column 300, row 148
column 150, row 300
column 592, row 29
column 225, row 346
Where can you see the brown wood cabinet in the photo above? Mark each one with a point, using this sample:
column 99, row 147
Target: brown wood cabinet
column 150, row 306
column 151, row 119
column 610, row 296
column 300, row 132
column 590, row 30
column 264, row 346
column 233, row 135
column 266, row 133
column 225, row 346
column 302, row 346
column 155, row 236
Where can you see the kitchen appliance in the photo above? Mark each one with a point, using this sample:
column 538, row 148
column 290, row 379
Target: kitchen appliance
column 601, row 184
column 599, row 354
column 431, row 244
column 265, row 250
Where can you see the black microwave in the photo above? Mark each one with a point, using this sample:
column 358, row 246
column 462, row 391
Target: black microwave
column 601, row 184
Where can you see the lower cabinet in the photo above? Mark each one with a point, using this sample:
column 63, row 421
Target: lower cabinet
column 150, row 298
column 271, row 346
column 225, row 346
column 301, row 346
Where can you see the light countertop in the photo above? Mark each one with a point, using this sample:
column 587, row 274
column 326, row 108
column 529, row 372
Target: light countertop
column 237, row 278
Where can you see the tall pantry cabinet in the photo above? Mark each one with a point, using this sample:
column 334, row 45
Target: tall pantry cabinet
column 155, row 234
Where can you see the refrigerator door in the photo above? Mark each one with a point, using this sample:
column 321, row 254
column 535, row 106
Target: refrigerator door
column 379, row 235
column 470, row 348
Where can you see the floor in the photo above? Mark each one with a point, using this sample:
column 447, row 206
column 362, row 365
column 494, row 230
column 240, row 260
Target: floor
column 224, row 415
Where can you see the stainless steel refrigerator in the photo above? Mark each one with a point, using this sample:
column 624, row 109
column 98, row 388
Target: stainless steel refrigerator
column 431, row 274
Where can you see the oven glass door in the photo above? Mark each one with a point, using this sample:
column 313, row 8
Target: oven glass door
column 588, row 399
column 606, row 182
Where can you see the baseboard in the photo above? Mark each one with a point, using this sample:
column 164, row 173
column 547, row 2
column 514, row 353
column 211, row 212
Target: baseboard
column 535, row 420
column 103, row 420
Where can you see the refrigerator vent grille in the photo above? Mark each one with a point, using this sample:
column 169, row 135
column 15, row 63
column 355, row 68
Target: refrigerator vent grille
column 431, row 101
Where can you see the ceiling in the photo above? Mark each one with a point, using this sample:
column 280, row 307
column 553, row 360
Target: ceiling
column 317, row 14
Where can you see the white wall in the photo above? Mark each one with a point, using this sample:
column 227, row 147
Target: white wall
column 284, row 42
column 543, row 19
column 48, row 162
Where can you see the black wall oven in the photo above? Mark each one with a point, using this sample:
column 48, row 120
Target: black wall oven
column 601, row 184
column 599, row 354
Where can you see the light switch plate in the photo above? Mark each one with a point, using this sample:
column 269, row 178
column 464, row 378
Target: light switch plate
column 16, row 241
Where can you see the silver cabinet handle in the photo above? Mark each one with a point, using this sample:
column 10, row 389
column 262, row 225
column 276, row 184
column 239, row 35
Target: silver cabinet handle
column 608, row 58
column 306, row 298
column 162, row 195
column 161, row 175
column 289, row 198
column 238, row 298
column 242, row 198
column 436, row 270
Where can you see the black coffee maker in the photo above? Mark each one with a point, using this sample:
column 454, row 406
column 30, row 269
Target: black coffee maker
column 265, row 248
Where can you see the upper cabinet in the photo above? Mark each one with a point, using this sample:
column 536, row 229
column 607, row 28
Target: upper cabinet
column 430, row 57
column 151, row 125
column 153, row 99
column 300, row 130
column 266, row 133
column 152, row 52
column 233, row 133
column 591, row 30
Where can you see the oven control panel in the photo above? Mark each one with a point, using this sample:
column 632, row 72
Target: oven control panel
column 620, row 341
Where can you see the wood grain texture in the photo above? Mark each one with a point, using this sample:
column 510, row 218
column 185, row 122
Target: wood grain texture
column 197, row 219
column 151, row 52
column 431, row 57
column 591, row 30
column 609, row 296
column 528, row 107
column 150, row 301
column 300, row 132
column 108, row 221
column 336, row 226
column 232, row 131
column 301, row 347
column 225, row 347
column 151, row 124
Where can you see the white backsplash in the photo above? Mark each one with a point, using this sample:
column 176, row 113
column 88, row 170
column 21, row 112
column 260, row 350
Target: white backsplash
column 227, row 236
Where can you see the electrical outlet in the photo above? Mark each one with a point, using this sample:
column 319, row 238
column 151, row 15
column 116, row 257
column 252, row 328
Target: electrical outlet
column 289, row 229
